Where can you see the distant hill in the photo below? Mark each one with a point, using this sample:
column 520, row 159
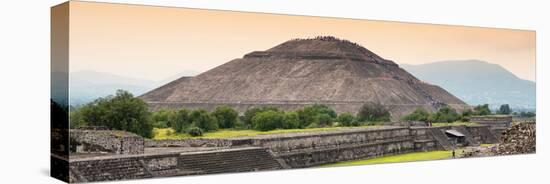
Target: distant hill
column 478, row 82
column 86, row 86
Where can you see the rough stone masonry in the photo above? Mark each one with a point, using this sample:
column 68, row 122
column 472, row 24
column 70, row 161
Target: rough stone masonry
column 265, row 152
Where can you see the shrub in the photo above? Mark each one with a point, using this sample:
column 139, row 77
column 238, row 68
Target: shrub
column 313, row 125
column 346, row 119
column 202, row 119
column 417, row 115
column 291, row 120
column 323, row 119
column 482, row 110
column 195, row 131
column 311, row 114
column 467, row 112
column 160, row 124
column 250, row 113
column 527, row 114
column 372, row 112
column 268, row 120
column 227, row 117
column 181, row 120
column 163, row 116
column 446, row 114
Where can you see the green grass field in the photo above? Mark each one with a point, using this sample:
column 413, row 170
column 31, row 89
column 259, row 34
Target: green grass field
column 168, row 133
column 454, row 124
column 407, row 157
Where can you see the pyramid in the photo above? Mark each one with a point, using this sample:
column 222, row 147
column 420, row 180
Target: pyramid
column 323, row 70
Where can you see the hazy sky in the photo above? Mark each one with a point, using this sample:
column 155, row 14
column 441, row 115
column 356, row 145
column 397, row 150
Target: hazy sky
column 154, row 43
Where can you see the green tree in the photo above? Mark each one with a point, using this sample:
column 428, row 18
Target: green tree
column 323, row 120
column 527, row 114
column 227, row 116
column 204, row 120
column 268, row 120
column 504, row 109
column 314, row 114
column 250, row 113
column 373, row 112
column 181, row 120
column 163, row 118
column 482, row 110
column 417, row 115
column 119, row 112
column 346, row 119
column 446, row 114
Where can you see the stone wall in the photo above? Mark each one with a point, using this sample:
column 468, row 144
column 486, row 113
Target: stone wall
column 105, row 141
column 314, row 157
column 499, row 120
column 189, row 143
column 266, row 152
column 308, row 149
column 295, row 142
column 109, row 168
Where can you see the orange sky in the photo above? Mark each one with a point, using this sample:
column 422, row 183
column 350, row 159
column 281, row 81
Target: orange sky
column 154, row 43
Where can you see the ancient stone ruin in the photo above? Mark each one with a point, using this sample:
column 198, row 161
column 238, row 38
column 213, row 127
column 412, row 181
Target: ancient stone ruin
column 88, row 140
column 160, row 158
column 324, row 70
column 518, row 139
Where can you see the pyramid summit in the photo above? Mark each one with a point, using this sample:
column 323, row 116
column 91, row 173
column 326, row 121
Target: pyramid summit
column 323, row 70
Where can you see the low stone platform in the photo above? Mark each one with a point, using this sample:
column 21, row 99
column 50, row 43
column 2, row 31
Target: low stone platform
column 267, row 152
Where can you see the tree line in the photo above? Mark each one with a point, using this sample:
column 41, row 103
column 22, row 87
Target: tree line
column 447, row 114
column 123, row 111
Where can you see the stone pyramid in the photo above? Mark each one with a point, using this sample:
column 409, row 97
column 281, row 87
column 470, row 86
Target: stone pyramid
column 322, row 70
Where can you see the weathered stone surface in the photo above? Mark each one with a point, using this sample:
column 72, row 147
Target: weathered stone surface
column 119, row 167
column 493, row 120
column 105, row 141
column 518, row 139
column 324, row 70
column 265, row 152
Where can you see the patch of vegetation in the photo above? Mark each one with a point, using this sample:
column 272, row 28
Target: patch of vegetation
column 504, row 109
column 407, row 157
column 119, row 112
column 417, row 115
column 373, row 112
column 227, row 117
column 169, row 133
column 449, row 116
column 347, row 119
column 482, row 110
column 195, row 131
column 458, row 123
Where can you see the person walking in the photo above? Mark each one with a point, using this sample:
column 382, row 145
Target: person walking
column 453, row 153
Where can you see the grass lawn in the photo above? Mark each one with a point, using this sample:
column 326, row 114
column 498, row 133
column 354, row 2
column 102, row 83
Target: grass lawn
column 454, row 123
column 168, row 133
column 407, row 157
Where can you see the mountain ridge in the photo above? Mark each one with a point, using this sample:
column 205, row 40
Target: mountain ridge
column 478, row 82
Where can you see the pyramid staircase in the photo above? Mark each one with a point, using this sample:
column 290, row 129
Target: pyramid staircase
column 231, row 160
column 441, row 139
